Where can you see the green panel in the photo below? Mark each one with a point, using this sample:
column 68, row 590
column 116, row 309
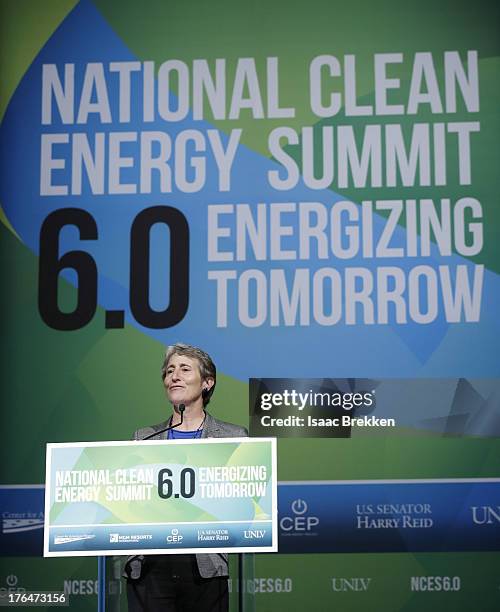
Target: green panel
column 97, row 384
column 33, row 22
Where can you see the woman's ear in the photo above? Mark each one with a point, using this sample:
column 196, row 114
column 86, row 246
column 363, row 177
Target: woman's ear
column 208, row 383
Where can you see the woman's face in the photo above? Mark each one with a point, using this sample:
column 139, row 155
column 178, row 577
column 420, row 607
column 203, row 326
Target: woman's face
column 183, row 381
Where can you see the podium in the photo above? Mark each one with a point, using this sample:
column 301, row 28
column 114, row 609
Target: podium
column 111, row 586
column 113, row 500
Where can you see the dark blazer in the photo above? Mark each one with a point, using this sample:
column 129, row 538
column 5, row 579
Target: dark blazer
column 209, row 564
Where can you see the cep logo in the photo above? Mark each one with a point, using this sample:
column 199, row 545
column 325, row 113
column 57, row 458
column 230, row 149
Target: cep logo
column 299, row 506
column 300, row 522
column 174, row 537
column 256, row 534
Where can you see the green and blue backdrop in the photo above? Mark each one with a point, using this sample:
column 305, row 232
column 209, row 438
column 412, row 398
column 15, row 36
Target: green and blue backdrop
column 307, row 190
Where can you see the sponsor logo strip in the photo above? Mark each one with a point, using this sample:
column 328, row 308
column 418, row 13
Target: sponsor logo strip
column 390, row 516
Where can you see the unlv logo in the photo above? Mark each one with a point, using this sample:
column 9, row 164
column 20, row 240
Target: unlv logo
column 485, row 515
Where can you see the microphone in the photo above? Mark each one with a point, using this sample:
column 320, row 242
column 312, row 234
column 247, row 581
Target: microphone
column 180, row 408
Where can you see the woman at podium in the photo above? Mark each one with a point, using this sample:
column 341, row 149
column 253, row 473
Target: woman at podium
column 183, row 582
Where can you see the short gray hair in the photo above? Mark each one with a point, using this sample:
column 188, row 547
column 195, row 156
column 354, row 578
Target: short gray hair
column 205, row 363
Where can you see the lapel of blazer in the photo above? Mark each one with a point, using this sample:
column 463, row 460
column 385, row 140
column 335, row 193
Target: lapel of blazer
column 159, row 427
column 210, row 429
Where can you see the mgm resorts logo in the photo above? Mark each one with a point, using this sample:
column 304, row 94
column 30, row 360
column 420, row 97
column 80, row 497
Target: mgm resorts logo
column 117, row 538
column 299, row 522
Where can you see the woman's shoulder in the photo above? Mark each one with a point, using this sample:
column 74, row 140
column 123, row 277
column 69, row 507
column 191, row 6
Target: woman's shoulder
column 149, row 431
column 223, row 429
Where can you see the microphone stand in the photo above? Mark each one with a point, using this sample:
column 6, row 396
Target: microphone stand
column 180, row 408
